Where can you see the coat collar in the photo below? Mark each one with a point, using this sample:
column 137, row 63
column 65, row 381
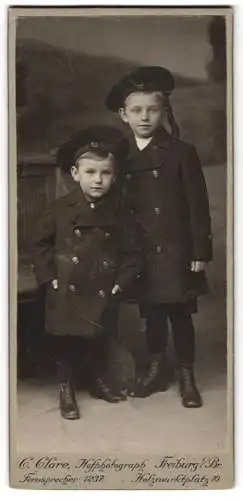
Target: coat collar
column 162, row 140
column 100, row 213
column 154, row 155
column 75, row 197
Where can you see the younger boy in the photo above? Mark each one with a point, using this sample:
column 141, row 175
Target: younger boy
column 167, row 194
column 86, row 253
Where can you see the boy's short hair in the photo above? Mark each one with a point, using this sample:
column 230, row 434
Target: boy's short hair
column 144, row 79
column 94, row 155
column 99, row 141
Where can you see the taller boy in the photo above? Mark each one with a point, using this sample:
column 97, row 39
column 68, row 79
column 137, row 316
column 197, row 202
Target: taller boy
column 167, row 194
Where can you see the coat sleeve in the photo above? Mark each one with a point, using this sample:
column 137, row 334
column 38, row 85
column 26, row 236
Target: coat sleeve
column 126, row 197
column 130, row 252
column 44, row 247
column 197, row 198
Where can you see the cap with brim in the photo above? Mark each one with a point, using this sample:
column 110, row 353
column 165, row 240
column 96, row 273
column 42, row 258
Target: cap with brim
column 144, row 79
column 100, row 139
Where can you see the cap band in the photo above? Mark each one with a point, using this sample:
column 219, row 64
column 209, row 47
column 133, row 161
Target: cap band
column 92, row 147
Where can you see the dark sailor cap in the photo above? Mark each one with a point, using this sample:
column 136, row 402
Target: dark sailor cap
column 100, row 139
column 144, row 79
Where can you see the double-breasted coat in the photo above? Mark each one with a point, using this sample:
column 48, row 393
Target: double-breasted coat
column 87, row 248
column 166, row 193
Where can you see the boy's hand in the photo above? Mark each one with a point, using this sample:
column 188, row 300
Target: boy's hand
column 116, row 289
column 54, row 284
column 197, row 266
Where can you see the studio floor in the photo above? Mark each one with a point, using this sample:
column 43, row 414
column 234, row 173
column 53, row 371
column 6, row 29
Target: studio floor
column 152, row 425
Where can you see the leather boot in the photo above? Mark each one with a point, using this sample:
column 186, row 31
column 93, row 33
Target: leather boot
column 188, row 390
column 155, row 379
column 100, row 390
column 68, row 404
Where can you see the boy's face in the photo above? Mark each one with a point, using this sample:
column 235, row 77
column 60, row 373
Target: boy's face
column 143, row 111
column 95, row 176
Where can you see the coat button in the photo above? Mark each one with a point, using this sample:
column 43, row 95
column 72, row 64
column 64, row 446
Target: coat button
column 157, row 210
column 155, row 174
column 158, row 249
column 128, row 176
column 75, row 260
column 105, row 264
column 107, row 236
column 92, row 205
column 77, row 232
column 72, row 288
column 101, row 293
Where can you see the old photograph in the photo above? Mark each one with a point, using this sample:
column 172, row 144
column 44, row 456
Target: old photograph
column 121, row 175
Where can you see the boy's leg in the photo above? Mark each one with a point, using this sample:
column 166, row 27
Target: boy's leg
column 105, row 351
column 156, row 338
column 184, row 342
column 62, row 347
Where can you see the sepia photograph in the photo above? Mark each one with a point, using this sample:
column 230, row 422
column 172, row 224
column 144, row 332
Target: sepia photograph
column 121, row 248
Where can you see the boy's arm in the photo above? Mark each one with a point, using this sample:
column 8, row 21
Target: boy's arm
column 130, row 251
column 196, row 194
column 43, row 248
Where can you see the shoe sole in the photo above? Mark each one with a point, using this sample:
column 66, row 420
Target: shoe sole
column 156, row 391
column 95, row 396
column 191, row 406
column 75, row 417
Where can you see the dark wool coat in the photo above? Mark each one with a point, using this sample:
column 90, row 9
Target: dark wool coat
column 87, row 248
column 166, row 192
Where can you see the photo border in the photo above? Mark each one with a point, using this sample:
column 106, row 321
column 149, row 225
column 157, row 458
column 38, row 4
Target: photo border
column 14, row 14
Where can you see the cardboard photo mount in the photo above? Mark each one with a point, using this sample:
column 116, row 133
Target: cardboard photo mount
column 166, row 470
